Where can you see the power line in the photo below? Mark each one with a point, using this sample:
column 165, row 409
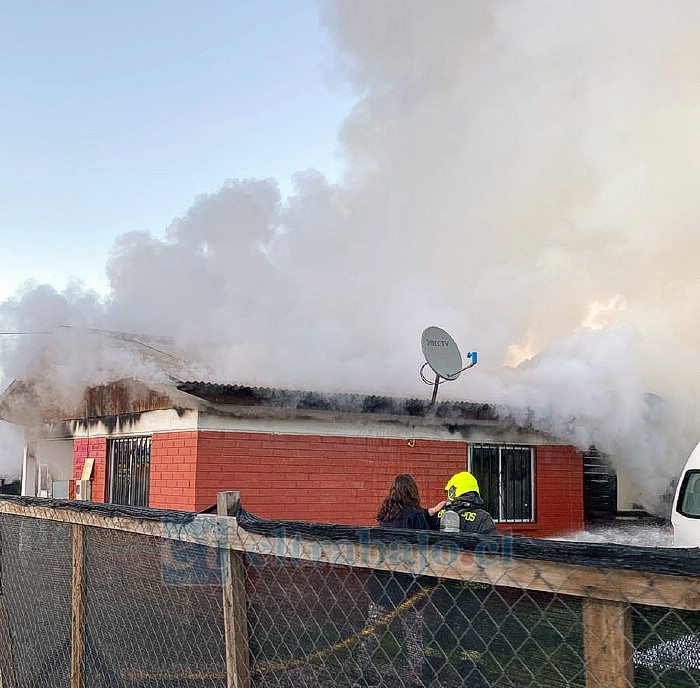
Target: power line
column 22, row 332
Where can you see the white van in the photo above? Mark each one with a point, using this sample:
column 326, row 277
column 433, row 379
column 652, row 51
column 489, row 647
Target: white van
column 686, row 504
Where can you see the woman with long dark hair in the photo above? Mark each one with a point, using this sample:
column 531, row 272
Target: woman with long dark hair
column 400, row 509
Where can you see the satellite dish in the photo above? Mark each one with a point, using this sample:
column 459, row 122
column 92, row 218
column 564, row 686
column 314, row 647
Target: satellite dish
column 441, row 353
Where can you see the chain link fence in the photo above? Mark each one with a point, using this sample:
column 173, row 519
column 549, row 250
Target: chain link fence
column 97, row 596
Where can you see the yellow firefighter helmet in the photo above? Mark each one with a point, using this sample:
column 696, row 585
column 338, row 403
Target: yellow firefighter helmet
column 461, row 483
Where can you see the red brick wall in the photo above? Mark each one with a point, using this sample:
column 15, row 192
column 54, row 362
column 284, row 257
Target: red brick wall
column 328, row 479
column 559, row 489
column 344, row 479
column 94, row 448
column 173, row 467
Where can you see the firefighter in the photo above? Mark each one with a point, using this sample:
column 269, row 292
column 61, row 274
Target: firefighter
column 464, row 502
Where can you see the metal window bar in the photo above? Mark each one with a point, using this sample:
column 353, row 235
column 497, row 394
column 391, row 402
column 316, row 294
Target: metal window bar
column 130, row 471
column 506, row 475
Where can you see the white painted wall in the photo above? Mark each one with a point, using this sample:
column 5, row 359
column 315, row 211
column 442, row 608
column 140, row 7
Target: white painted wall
column 28, row 486
column 367, row 426
column 57, row 455
column 148, row 422
column 263, row 421
column 629, row 493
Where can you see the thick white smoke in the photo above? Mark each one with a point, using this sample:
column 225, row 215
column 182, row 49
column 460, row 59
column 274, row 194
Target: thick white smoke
column 523, row 174
column 11, row 450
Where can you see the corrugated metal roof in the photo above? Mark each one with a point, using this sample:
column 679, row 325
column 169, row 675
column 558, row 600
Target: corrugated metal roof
column 241, row 395
column 161, row 368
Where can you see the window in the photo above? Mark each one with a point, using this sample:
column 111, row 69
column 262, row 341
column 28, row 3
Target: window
column 506, row 480
column 689, row 496
column 129, row 470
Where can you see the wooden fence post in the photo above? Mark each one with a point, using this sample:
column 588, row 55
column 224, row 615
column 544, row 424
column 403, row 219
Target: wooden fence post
column 607, row 644
column 235, row 610
column 77, row 657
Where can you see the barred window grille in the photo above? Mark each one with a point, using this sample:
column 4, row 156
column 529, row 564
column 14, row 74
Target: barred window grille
column 506, row 476
column 129, row 470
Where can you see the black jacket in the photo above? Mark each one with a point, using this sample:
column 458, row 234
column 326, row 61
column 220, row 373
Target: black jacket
column 472, row 518
column 409, row 517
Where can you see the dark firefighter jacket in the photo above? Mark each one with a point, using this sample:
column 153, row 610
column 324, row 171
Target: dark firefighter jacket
column 472, row 517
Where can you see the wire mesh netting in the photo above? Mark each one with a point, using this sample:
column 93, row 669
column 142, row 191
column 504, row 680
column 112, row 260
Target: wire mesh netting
column 152, row 608
column 36, row 599
column 320, row 625
column 143, row 604
column 153, row 612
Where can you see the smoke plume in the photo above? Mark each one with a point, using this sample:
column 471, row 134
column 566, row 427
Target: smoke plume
column 523, row 174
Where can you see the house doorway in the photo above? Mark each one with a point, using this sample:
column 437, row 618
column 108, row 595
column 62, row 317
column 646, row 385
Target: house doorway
column 599, row 487
column 129, row 470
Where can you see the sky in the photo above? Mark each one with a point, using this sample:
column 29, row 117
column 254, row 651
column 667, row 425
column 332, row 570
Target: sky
column 116, row 115
column 293, row 192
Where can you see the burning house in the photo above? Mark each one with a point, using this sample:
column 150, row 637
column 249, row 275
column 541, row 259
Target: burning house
column 166, row 442
column 292, row 454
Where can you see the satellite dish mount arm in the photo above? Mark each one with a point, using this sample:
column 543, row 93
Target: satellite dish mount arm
column 435, row 388
column 439, row 379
